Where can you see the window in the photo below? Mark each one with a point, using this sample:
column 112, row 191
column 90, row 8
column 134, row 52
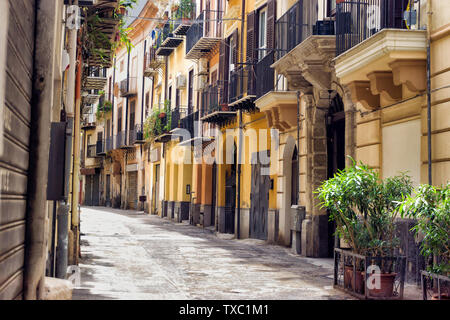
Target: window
column 331, row 7
column 177, row 97
column 147, row 102
column 262, row 33
column 169, row 96
column 132, row 114
column 119, row 119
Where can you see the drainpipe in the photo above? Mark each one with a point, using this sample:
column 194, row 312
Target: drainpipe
column 42, row 95
column 298, row 142
column 429, row 21
column 76, row 163
column 143, row 88
column 238, row 231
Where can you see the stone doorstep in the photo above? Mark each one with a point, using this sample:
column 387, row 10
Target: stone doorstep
column 57, row 289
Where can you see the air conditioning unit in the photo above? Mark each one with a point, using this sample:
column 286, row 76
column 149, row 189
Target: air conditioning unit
column 181, row 81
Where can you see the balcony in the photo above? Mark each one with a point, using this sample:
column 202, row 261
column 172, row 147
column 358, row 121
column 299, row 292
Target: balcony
column 167, row 41
column 137, row 135
column 91, row 96
column 204, row 34
column 358, row 20
column 183, row 20
column 109, row 144
column 128, row 87
column 88, row 121
column 152, row 63
column 91, row 151
column 100, row 148
column 381, row 51
column 121, row 140
column 294, row 26
column 95, row 78
column 211, row 110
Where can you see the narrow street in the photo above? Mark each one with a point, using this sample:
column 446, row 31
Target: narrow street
column 130, row 255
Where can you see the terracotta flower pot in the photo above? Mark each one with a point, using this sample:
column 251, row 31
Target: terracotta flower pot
column 348, row 280
column 162, row 115
column 444, row 296
column 386, row 289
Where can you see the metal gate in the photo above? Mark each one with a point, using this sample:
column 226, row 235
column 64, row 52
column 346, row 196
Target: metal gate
column 16, row 117
column 259, row 203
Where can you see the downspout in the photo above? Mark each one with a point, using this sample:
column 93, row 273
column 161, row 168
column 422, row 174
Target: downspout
column 76, row 163
column 42, row 101
column 429, row 21
column 238, row 233
column 298, row 144
column 143, row 88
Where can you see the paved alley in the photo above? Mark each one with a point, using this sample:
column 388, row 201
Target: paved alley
column 130, row 255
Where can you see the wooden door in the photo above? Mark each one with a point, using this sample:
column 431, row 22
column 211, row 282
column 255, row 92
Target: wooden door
column 259, row 202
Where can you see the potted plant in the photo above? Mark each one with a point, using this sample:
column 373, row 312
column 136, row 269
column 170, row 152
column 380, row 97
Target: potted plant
column 186, row 8
column 364, row 208
column 430, row 206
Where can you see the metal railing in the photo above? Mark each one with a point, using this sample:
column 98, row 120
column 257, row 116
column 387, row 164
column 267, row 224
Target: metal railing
column 91, row 151
column 152, row 60
column 357, row 20
column 136, row 134
column 264, row 75
column 239, row 83
column 128, row 86
column 121, row 139
column 181, row 17
column 295, row 26
column 100, row 147
column 109, row 143
column 93, row 71
column 188, row 121
column 206, row 25
column 210, row 100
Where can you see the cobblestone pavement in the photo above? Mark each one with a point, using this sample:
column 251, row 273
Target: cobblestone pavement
column 131, row 255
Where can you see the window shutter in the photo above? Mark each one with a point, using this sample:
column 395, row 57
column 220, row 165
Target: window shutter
column 251, row 37
column 234, row 46
column 223, row 72
column 271, row 12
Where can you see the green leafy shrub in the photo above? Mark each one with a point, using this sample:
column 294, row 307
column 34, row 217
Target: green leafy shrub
column 431, row 207
column 364, row 207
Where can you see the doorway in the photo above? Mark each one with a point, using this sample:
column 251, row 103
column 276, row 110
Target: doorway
column 259, row 201
column 230, row 194
column 336, row 154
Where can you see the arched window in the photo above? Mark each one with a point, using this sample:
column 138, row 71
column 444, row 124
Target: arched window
column 294, row 178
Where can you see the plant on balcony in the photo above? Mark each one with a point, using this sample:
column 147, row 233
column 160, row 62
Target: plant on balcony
column 153, row 125
column 186, row 8
column 103, row 108
column 364, row 208
column 97, row 42
column 430, row 206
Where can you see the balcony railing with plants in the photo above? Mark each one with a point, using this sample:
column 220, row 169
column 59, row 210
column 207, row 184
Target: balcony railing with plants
column 206, row 29
column 158, row 122
column 152, row 62
column 357, row 20
column 183, row 14
column 103, row 107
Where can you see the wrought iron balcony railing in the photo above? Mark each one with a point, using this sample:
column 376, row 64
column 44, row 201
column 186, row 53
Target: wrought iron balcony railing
column 210, row 100
column 91, row 151
column 152, row 63
column 121, row 138
column 295, row 26
column 100, row 147
column 357, row 20
column 204, row 34
column 136, row 135
column 109, row 143
column 183, row 20
column 128, row 87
